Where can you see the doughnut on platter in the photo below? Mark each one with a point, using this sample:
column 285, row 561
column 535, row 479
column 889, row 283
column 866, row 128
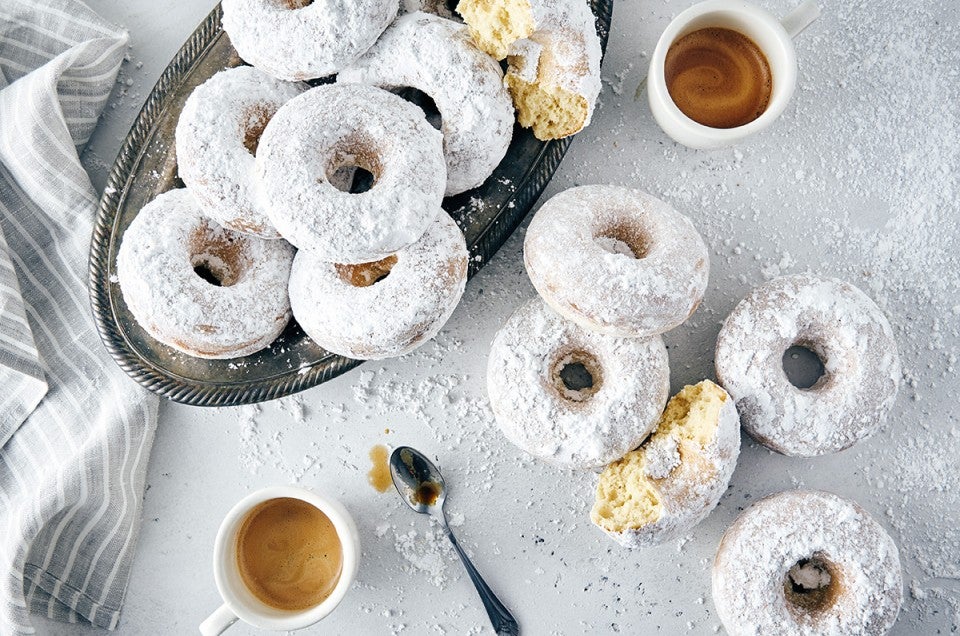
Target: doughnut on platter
column 147, row 166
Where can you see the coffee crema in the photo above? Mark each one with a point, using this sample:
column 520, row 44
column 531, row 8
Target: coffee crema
column 289, row 554
column 718, row 77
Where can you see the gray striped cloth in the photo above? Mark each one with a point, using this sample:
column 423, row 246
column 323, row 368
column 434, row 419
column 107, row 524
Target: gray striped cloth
column 75, row 431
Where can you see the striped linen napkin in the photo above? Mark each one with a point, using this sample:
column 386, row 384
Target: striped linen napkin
column 75, row 431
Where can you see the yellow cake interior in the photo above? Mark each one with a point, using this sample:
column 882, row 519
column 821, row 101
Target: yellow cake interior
column 496, row 24
column 628, row 498
column 549, row 110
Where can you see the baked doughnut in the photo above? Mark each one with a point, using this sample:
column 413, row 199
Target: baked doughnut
column 807, row 563
column 302, row 39
column 849, row 334
column 338, row 126
column 385, row 308
column 574, row 397
column 660, row 491
column 436, row 56
column 198, row 287
column 553, row 52
column 217, row 137
column 616, row 260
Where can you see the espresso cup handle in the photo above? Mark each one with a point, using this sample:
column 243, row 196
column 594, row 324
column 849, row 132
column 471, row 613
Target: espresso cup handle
column 800, row 18
column 218, row 622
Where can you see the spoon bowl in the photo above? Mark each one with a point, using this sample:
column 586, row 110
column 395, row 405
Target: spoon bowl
column 418, row 481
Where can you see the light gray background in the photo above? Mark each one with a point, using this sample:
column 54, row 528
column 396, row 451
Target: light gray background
column 857, row 180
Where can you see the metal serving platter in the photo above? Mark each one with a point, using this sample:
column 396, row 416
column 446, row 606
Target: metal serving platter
column 147, row 166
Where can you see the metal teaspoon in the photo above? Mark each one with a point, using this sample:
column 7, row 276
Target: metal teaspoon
column 421, row 485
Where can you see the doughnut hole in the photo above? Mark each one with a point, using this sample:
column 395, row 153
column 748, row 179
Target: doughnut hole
column 812, row 586
column 625, row 239
column 576, row 375
column 423, row 101
column 354, row 165
column 254, row 122
column 217, row 256
column 366, row 274
column 804, row 365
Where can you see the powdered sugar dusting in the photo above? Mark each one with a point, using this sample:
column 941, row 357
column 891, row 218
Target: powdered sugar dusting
column 689, row 485
column 850, row 335
column 178, row 307
column 566, row 51
column 631, row 378
column 220, row 119
column 774, row 535
column 312, row 41
column 436, row 56
column 392, row 316
column 338, row 125
column 579, row 270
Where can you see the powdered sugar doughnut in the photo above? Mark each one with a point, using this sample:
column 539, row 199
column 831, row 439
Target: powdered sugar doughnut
column 217, row 137
column 341, row 125
column 302, row 39
column 616, row 260
column 807, row 563
column 436, row 56
column 850, row 335
column 553, row 52
column 386, row 308
column 663, row 489
column 573, row 397
column 167, row 261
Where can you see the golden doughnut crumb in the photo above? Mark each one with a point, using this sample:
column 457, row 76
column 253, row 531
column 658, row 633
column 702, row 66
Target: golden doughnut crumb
column 553, row 53
column 496, row 24
column 629, row 494
column 549, row 110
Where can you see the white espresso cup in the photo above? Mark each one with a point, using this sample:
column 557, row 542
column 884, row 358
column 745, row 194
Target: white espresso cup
column 239, row 602
column 773, row 36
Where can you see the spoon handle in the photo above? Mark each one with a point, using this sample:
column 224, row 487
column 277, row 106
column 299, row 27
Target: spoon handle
column 503, row 621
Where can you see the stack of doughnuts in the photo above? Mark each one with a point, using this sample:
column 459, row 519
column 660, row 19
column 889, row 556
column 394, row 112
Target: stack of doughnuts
column 579, row 377
column 324, row 203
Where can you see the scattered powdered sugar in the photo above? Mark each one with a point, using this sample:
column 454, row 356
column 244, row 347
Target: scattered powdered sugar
column 428, row 552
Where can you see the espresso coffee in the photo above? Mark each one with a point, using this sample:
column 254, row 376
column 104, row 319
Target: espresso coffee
column 718, row 77
column 289, row 554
